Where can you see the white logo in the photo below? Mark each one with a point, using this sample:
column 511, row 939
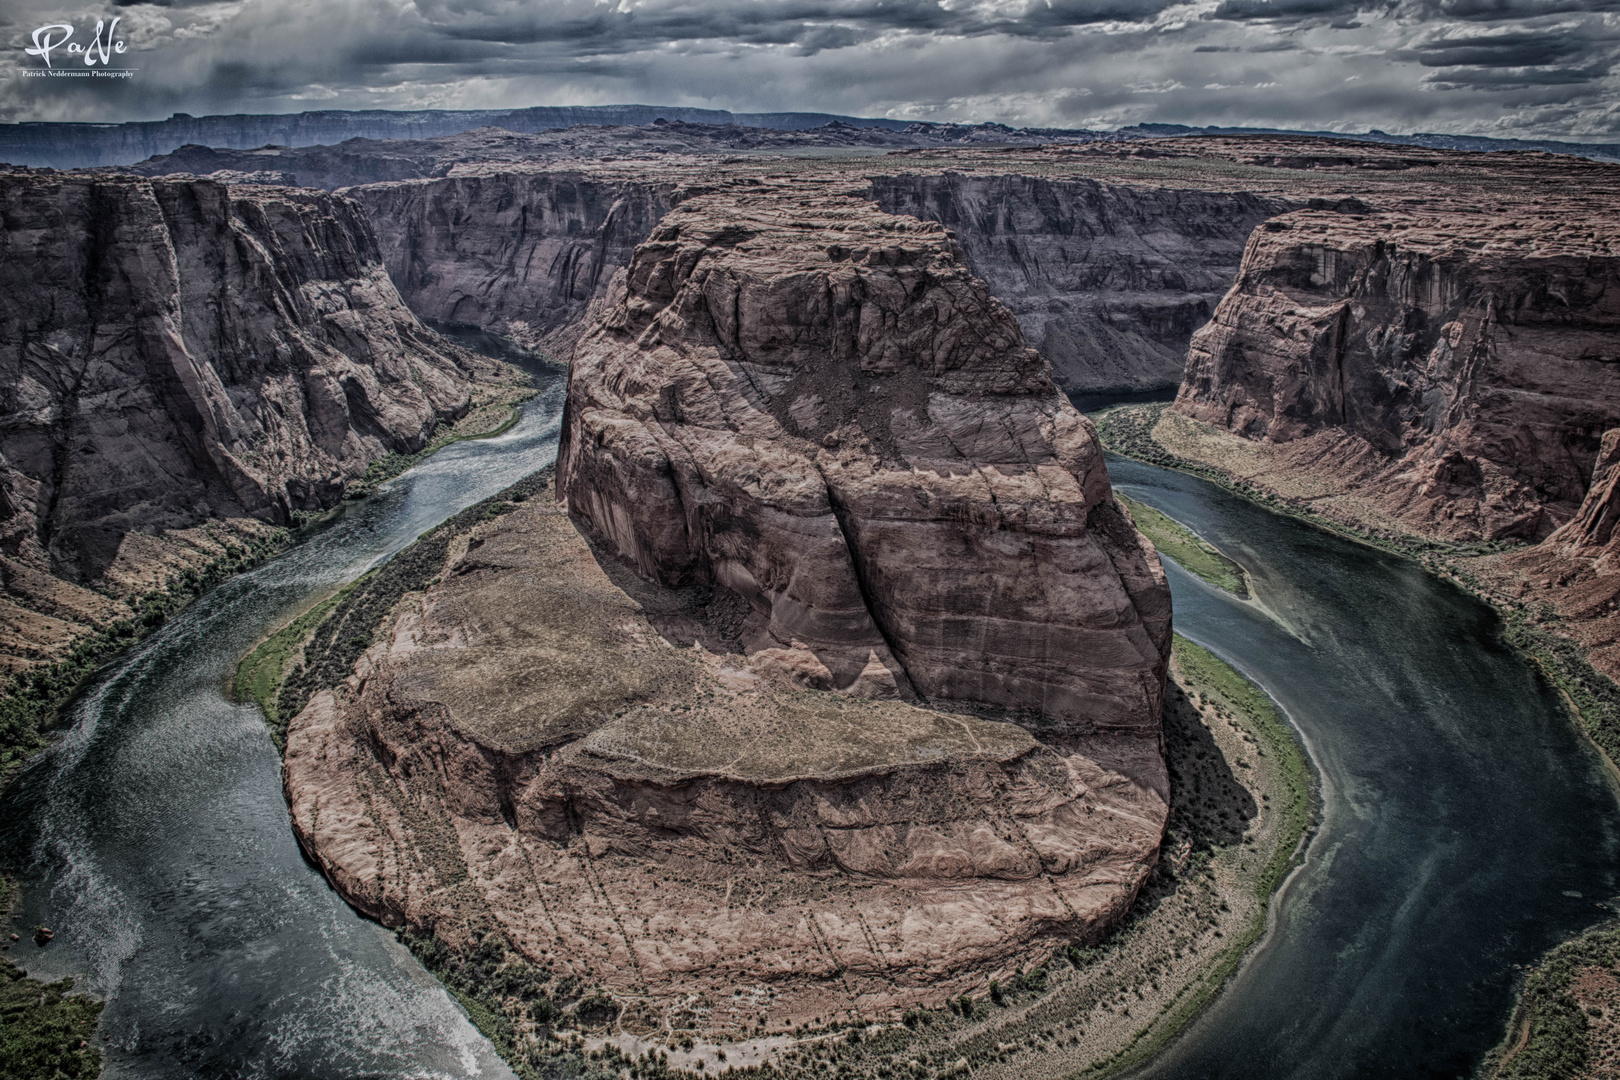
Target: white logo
column 58, row 38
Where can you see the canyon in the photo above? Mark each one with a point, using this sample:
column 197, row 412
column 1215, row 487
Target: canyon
column 766, row 711
column 187, row 365
column 1110, row 280
column 798, row 737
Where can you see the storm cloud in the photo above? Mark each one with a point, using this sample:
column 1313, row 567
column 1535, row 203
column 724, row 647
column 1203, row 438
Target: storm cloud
column 1510, row 68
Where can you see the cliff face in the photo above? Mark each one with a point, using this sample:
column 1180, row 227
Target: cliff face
column 818, row 407
column 1455, row 369
column 175, row 352
column 519, row 253
column 1109, row 281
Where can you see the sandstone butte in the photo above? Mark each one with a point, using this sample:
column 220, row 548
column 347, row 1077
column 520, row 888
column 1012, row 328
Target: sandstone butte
column 832, row 682
column 182, row 365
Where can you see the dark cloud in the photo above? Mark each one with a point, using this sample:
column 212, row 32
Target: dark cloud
column 1506, row 67
column 1286, row 9
column 1501, row 10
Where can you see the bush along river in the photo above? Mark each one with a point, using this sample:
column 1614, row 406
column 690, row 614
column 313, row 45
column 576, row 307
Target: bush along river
column 1466, row 826
column 156, row 839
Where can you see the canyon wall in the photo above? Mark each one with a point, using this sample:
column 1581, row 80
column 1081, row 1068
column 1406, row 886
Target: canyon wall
column 1109, row 281
column 174, row 352
column 516, row 252
column 1455, row 368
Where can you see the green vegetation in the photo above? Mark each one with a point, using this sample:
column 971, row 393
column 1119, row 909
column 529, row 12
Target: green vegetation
column 1550, row 1034
column 1127, row 430
column 1591, row 696
column 31, row 701
column 259, row 676
column 1194, row 555
column 45, row 1029
column 393, row 463
column 1200, row 667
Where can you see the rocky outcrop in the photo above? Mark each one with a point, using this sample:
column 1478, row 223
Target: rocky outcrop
column 1455, row 368
column 817, row 406
column 707, row 766
column 535, row 752
column 1591, row 532
column 1109, row 280
column 178, row 352
column 513, row 251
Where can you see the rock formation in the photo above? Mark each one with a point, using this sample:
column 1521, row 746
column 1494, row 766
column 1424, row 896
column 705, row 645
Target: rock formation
column 1110, row 280
column 519, row 252
column 826, row 480
column 1455, row 368
column 818, row 407
column 176, row 352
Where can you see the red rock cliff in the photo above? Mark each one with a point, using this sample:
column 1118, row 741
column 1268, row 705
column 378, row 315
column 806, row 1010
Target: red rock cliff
column 816, row 405
column 1459, row 366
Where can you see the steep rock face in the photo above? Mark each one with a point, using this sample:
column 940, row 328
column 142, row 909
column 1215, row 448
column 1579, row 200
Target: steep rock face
column 1110, row 281
column 816, row 406
column 534, row 750
column 517, row 252
column 1460, row 367
column 172, row 352
column 1591, row 531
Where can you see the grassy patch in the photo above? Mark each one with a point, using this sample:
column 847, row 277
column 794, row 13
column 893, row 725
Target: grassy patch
column 45, row 1029
column 1202, row 668
column 484, row 422
column 260, row 674
column 1175, row 540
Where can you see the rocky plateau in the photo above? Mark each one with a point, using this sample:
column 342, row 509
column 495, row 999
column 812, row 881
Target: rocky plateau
column 798, row 733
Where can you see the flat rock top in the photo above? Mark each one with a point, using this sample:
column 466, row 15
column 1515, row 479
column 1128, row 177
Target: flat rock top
column 1533, row 231
column 592, row 665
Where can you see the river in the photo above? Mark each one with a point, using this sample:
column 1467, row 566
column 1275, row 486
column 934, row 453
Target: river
column 1466, row 827
column 157, row 837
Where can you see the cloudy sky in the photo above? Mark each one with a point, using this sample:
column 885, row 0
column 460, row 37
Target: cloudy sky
column 1492, row 67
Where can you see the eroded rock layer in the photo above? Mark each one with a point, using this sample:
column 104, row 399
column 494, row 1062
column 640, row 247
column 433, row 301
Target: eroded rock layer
column 815, row 405
column 533, row 751
column 1457, row 368
column 519, row 252
column 175, row 352
column 1109, row 280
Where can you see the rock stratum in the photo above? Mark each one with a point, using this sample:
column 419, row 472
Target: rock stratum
column 1454, row 368
column 832, row 684
column 1109, row 280
column 518, row 252
column 182, row 365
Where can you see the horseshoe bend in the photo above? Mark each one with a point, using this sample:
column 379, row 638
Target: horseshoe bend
column 823, row 678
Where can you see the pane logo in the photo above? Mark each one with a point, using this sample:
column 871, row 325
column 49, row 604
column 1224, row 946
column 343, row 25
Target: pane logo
column 55, row 41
